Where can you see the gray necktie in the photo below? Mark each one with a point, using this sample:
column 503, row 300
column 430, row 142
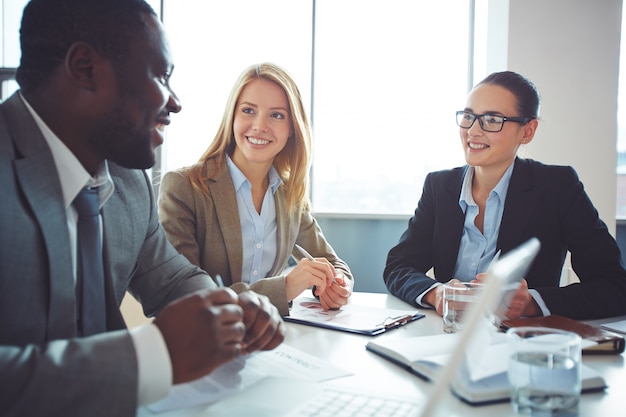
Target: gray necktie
column 90, row 270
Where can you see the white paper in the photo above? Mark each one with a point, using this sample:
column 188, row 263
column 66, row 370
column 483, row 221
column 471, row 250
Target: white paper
column 495, row 360
column 616, row 326
column 484, row 354
column 239, row 374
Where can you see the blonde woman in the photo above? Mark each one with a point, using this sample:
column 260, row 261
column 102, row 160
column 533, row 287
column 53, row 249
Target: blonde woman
column 242, row 208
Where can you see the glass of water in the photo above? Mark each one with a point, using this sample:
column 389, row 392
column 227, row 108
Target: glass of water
column 544, row 371
column 458, row 298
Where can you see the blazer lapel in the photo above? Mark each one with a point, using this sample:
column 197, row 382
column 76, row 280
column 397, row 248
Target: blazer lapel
column 285, row 231
column 120, row 237
column 449, row 233
column 517, row 210
column 39, row 180
column 223, row 195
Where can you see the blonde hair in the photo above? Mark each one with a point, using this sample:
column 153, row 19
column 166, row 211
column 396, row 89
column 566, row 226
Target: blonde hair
column 292, row 163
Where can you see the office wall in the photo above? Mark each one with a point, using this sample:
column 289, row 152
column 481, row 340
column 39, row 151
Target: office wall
column 570, row 49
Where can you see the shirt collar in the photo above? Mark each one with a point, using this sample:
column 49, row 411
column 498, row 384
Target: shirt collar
column 274, row 179
column 72, row 175
column 503, row 185
column 466, row 199
column 235, row 173
column 239, row 178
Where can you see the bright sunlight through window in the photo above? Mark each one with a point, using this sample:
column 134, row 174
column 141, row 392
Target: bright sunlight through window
column 385, row 78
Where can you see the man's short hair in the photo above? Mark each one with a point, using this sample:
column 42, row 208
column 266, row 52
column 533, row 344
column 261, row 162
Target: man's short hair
column 50, row 27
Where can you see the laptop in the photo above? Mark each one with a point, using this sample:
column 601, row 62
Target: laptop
column 282, row 397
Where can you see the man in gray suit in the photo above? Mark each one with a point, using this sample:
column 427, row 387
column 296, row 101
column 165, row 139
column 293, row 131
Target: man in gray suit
column 94, row 99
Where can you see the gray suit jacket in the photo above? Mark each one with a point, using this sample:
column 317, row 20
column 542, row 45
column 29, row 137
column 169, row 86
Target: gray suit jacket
column 207, row 230
column 44, row 368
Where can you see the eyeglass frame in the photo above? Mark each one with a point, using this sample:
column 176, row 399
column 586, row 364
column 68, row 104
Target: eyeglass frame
column 479, row 117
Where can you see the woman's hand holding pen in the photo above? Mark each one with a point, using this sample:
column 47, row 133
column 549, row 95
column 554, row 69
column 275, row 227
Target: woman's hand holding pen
column 306, row 274
column 333, row 289
column 337, row 292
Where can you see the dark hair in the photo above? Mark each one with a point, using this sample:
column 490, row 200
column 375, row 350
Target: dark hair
column 523, row 89
column 50, row 27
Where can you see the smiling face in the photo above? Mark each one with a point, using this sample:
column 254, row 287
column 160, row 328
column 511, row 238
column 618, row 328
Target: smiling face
column 494, row 149
column 261, row 125
column 133, row 126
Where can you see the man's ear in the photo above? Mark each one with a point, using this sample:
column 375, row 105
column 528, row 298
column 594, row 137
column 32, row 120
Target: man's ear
column 81, row 61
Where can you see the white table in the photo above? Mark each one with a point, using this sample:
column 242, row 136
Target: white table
column 369, row 370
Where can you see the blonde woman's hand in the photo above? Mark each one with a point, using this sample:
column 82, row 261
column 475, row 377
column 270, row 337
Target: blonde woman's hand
column 306, row 274
column 338, row 291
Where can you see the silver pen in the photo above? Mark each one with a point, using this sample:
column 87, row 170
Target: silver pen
column 307, row 255
column 303, row 252
column 219, row 281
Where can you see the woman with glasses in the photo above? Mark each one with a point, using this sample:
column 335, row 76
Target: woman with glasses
column 498, row 201
column 241, row 209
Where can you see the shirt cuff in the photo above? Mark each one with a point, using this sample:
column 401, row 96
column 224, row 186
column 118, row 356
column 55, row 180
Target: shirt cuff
column 153, row 363
column 542, row 305
column 419, row 298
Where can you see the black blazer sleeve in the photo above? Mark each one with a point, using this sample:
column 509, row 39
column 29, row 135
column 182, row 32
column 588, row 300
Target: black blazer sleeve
column 431, row 239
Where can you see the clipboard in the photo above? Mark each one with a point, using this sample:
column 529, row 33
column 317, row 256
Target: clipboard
column 350, row 318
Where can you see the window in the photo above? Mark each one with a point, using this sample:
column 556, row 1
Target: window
column 10, row 17
column 7, row 82
column 10, row 20
column 10, row 14
column 212, row 43
column 387, row 78
column 382, row 81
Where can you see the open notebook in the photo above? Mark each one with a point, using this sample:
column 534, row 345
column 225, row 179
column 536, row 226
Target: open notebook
column 287, row 397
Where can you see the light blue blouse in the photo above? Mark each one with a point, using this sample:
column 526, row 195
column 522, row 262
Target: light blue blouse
column 258, row 230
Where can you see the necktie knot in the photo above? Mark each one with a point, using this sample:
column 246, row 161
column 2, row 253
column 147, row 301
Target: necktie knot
column 87, row 202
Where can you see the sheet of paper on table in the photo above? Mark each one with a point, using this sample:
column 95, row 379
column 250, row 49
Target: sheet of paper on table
column 284, row 361
column 616, row 326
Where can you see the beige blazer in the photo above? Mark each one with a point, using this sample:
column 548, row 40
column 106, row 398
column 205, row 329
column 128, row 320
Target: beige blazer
column 207, row 230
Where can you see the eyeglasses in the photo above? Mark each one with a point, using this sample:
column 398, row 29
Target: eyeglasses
column 488, row 122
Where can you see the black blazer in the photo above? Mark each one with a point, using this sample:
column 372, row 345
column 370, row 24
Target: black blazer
column 543, row 201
